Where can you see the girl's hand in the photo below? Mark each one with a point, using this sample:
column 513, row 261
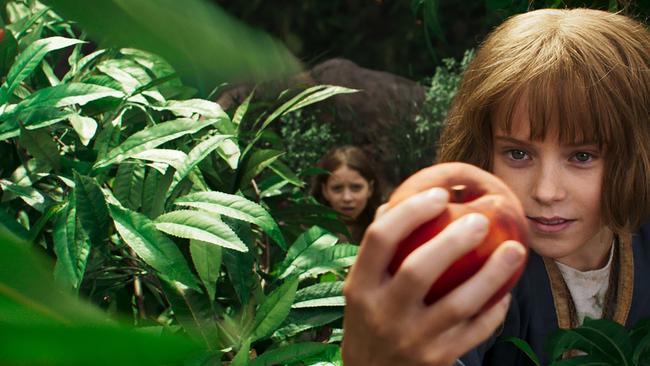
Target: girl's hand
column 386, row 321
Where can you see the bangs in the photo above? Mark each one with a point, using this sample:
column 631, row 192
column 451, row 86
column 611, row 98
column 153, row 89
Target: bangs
column 579, row 112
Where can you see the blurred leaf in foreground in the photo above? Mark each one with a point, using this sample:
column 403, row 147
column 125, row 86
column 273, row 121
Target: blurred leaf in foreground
column 41, row 324
column 204, row 44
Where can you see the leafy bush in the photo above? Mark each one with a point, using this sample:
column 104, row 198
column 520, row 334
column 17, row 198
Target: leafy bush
column 416, row 146
column 159, row 206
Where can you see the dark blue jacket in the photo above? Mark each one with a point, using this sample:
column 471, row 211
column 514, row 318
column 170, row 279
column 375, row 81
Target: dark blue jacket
column 541, row 303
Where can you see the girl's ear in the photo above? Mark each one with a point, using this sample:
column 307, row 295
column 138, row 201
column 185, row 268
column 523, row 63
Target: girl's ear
column 324, row 192
column 371, row 188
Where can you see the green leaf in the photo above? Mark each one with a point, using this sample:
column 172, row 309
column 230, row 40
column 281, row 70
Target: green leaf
column 91, row 208
column 257, row 162
column 32, row 119
column 285, row 172
column 320, row 294
column 230, row 153
column 175, row 158
column 292, row 353
column 191, row 107
column 194, row 313
column 85, row 127
column 587, row 360
column 241, row 358
column 525, row 348
column 157, row 188
column 300, row 320
column 71, row 246
column 129, row 184
column 314, row 262
column 162, row 28
column 158, row 251
column 59, row 96
column 306, row 97
column 199, row 225
column 242, row 109
column 240, row 265
column 274, row 310
column 152, row 137
column 28, row 60
column 56, row 345
column 314, row 239
column 31, row 196
column 41, row 146
column 601, row 338
column 236, row 207
column 207, row 261
column 195, row 156
column 641, row 349
column 8, row 50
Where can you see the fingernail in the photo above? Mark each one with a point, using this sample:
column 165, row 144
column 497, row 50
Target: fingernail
column 513, row 255
column 475, row 221
column 438, row 195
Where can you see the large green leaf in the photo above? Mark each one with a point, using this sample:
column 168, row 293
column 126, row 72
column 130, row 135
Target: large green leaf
column 129, row 184
column 28, row 60
column 199, row 225
column 43, row 324
column 317, row 261
column 256, row 163
column 240, row 265
column 320, row 294
column 71, row 246
column 191, row 107
column 195, row 156
column 9, row 223
column 300, row 320
column 600, row 338
column 292, row 353
column 31, row 196
column 525, row 348
column 315, row 239
column 236, row 207
column 152, row 137
column 91, row 208
column 274, row 310
column 193, row 313
column 158, row 251
column 172, row 30
column 174, row 158
column 41, row 146
column 207, row 261
column 8, row 50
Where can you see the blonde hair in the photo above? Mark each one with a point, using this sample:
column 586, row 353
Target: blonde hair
column 584, row 73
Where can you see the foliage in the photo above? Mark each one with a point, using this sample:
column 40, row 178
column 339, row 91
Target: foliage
column 416, row 147
column 307, row 139
column 600, row 342
column 156, row 206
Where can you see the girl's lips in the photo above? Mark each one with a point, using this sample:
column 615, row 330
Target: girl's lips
column 549, row 225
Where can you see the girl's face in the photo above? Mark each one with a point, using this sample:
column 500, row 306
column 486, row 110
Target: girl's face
column 560, row 187
column 347, row 191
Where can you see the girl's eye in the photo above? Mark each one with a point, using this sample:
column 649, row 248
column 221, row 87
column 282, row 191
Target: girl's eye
column 583, row 157
column 517, row 154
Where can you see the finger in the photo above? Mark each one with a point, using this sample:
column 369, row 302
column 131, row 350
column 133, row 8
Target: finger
column 426, row 263
column 380, row 210
column 473, row 332
column 384, row 234
column 468, row 299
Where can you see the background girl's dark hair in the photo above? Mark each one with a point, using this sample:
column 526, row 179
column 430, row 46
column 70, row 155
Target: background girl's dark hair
column 356, row 159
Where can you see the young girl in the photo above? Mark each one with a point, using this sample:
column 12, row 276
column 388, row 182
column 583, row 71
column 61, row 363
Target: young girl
column 351, row 188
column 556, row 104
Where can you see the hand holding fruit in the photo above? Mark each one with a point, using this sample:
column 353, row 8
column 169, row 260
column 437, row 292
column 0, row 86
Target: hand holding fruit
column 386, row 320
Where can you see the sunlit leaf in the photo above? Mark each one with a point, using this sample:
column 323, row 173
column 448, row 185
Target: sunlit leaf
column 129, row 184
column 234, row 206
column 158, row 251
column 320, row 294
column 152, row 137
column 201, row 226
column 291, row 353
column 71, row 245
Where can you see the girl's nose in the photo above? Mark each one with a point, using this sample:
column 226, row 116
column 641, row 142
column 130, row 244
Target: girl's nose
column 548, row 186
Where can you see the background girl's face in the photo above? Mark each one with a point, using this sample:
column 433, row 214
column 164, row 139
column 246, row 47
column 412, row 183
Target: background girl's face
column 560, row 187
column 347, row 191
